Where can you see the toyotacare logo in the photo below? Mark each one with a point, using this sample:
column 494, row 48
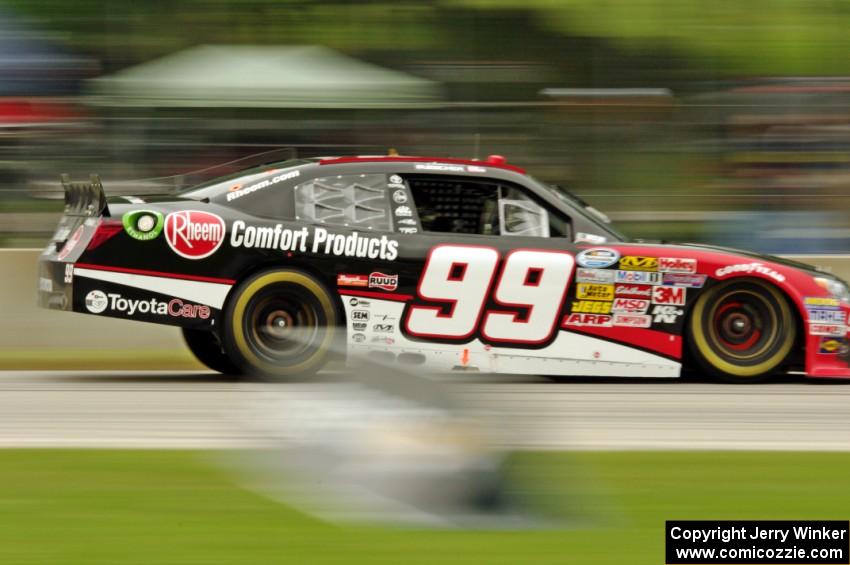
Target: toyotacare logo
column 97, row 301
column 193, row 234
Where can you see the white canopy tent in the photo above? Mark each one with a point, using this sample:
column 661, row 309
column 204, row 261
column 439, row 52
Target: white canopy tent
column 219, row 76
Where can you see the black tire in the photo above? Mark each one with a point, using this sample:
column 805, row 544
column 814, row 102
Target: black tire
column 741, row 330
column 280, row 324
column 206, row 347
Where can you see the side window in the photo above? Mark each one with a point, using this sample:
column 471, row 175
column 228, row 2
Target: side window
column 356, row 201
column 483, row 208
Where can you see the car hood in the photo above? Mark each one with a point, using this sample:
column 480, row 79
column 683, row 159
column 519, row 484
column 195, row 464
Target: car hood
column 805, row 267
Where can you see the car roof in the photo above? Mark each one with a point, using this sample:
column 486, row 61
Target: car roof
column 493, row 161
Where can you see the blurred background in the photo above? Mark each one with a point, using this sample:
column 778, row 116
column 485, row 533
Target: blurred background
column 726, row 122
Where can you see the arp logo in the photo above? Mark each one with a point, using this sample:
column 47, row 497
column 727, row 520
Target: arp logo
column 635, row 263
column 602, row 320
column 193, row 234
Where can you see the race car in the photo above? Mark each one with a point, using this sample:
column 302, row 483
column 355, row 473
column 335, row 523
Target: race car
column 441, row 263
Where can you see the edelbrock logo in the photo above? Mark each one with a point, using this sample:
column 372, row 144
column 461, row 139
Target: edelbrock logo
column 193, row 234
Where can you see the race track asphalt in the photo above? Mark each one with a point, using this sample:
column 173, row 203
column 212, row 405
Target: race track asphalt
column 205, row 410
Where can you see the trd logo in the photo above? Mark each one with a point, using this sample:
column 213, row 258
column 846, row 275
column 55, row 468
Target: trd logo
column 360, row 315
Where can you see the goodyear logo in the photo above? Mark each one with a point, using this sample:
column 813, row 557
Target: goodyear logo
column 591, row 307
column 635, row 263
column 592, row 291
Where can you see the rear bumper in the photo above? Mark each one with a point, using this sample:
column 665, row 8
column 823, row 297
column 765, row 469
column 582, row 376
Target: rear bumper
column 55, row 283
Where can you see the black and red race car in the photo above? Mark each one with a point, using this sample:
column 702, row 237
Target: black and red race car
column 452, row 264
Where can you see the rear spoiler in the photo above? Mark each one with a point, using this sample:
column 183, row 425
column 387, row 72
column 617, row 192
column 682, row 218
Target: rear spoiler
column 84, row 198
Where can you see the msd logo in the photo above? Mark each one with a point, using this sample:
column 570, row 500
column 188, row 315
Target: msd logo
column 194, row 234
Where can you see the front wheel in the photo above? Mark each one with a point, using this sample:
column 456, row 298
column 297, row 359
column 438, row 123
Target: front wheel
column 280, row 324
column 741, row 330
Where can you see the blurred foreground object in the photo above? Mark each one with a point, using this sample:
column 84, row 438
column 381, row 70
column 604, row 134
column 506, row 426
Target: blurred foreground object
column 387, row 446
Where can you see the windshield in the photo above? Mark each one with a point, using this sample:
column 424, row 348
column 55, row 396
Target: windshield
column 593, row 214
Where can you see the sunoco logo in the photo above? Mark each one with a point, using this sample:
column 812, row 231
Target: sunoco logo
column 194, row 234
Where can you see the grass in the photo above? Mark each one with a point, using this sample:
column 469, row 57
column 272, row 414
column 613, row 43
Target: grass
column 92, row 506
column 54, row 359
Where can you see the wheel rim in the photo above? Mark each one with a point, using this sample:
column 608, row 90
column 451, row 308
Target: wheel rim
column 743, row 324
column 743, row 328
column 282, row 323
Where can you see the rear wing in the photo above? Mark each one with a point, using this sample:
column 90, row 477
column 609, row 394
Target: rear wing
column 84, row 198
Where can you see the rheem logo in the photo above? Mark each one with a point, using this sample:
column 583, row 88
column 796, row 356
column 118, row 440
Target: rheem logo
column 194, row 234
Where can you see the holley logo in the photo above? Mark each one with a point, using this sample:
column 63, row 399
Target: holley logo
column 380, row 280
column 194, row 234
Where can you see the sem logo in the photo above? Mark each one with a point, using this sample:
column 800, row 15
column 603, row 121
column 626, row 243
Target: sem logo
column 96, row 302
column 360, row 315
column 193, row 234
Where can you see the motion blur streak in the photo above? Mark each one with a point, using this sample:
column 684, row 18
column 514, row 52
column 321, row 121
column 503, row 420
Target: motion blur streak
column 725, row 123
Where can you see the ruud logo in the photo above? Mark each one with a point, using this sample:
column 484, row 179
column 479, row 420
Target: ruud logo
column 383, row 281
column 194, row 234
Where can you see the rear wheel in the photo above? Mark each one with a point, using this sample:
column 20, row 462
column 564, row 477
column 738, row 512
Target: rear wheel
column 741, row 330
column 280, row 324
column 206, row 347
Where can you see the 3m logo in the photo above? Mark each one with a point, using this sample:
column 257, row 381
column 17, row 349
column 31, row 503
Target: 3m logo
column 193, row 234
column 590, row 291
column 382, row 281
column 673, row 295
column 634, row 263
